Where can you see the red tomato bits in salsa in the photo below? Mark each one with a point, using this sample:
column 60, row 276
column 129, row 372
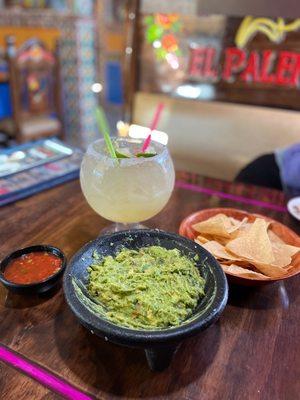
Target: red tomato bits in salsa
column 32, row 267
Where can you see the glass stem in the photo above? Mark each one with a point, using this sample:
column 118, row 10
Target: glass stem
column 118, row 226
column 122, row 227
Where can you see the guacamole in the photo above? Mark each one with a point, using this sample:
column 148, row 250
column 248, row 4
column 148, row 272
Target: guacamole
column 147, row 288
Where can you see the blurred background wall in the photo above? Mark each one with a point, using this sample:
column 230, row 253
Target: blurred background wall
column 130, row 54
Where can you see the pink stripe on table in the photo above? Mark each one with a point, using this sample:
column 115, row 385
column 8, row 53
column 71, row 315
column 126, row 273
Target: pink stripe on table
column 41, row 375
column 228, row 196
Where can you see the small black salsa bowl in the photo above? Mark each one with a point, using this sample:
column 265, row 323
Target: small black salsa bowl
column 37, row 287
column 159, row 344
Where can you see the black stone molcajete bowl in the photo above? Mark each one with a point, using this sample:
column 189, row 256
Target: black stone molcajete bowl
column 159, row 344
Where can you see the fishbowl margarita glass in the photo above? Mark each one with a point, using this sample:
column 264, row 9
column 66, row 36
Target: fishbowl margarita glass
column 126, row 191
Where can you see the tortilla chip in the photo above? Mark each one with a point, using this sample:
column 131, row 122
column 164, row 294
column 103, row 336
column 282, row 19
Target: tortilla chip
column 246, row 227
column 218, row 225
column 270, row 270
column 242, row 230
column 219, row 251
column 237, row 224
column 239, row 227
column 288, row 267
column 243, row 272
column 209, row 238
column 254, row 245
column 219, row 239
column 240, row 263
column 274, row 238
column 201, row 239
column 250, row 250
column 283, row 253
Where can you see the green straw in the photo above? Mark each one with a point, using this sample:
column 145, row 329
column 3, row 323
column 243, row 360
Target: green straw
column 104, row 129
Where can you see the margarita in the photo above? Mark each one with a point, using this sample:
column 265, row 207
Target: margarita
column 127, row 190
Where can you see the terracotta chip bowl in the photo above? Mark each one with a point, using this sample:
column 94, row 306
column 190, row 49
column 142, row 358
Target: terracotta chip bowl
column 285, row 233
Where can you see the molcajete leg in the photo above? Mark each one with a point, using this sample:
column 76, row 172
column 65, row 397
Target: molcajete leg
column 159, row 358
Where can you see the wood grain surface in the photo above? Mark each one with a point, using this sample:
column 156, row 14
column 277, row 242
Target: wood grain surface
column 251, row 353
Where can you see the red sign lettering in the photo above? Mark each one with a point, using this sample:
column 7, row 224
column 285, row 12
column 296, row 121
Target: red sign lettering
column 197, row 61
column 268, row 67
column 296, row 74
column 286, row 66
column 209, row 71
column 251, row 72
column 234, row 62
column 202, row 62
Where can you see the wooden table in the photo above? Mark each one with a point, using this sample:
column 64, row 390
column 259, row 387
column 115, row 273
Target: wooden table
column 252, row 353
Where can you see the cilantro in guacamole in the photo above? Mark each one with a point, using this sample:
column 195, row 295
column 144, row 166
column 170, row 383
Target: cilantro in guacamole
column 146, row 289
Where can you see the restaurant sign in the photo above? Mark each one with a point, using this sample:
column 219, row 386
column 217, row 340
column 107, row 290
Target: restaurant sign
column 210, row 61
column 279, row 67
column 248, row 67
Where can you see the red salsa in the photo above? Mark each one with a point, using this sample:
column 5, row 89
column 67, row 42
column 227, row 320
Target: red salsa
column 32, row 267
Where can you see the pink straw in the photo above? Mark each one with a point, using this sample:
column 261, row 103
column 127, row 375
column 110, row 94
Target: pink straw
column 153, row 125
column 44, row 377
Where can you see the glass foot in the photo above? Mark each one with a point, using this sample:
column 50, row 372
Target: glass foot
column 117, row 227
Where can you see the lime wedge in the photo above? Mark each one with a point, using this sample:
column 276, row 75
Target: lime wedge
column 120, row 155
column 146, row 155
